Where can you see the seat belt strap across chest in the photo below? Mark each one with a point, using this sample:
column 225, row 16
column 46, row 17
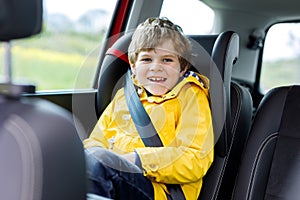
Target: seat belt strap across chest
column 139, row 115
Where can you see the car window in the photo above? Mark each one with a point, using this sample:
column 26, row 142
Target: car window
column 281, row 56
column 65, row 55
column 193, row 16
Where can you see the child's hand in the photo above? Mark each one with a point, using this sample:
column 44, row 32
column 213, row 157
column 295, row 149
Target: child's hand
column 130, row 157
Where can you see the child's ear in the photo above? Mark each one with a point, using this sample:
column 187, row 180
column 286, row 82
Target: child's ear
column 184, row 70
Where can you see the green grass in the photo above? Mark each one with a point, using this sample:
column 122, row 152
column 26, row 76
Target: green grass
column 278, row 73
column 55, row 62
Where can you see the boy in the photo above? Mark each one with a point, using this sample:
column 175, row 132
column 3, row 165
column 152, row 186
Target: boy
column 119, row 165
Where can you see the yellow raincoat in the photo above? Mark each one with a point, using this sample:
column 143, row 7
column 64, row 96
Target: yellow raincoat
column 182, row 118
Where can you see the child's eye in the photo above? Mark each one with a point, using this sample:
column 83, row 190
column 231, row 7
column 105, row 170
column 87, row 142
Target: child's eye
column 168, row 60
column 146, row 59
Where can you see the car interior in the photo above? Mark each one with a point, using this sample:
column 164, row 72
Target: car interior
column 255, row 115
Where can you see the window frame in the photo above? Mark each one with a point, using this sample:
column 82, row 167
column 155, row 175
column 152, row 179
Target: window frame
column 258, row 82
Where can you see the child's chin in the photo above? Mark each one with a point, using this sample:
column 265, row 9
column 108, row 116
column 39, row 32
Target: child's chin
column 157, row 90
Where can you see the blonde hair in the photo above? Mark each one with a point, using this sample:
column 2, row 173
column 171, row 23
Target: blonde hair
column 153, row 32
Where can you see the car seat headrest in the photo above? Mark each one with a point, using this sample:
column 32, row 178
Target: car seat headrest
column 19, row 19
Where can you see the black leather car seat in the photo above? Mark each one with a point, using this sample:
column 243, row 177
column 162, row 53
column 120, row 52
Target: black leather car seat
column 41, row 155
column 231, row 103
column 270, row 167
column 237, row 107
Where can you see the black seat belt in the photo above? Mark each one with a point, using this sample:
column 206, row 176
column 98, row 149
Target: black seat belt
column 145, row 128
column 139, row 115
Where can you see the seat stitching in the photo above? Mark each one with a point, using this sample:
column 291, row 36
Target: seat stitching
column 257, row 158
column 239, row 108
column 225, row 164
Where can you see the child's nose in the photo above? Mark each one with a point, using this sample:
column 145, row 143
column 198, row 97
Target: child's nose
column 155, row 66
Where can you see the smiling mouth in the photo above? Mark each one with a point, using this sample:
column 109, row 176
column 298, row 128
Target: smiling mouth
column 157, row 79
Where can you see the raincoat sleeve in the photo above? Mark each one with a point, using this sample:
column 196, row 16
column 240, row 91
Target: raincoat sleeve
column 187, row 158
column 98, row 136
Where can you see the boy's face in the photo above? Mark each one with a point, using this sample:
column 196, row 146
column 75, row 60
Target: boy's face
column 158, row 70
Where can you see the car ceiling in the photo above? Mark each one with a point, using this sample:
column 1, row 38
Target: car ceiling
column 289, row 8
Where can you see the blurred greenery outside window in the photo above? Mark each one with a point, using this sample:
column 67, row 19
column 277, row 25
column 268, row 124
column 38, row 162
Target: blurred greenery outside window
column 281, row 57
column 64, row 56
